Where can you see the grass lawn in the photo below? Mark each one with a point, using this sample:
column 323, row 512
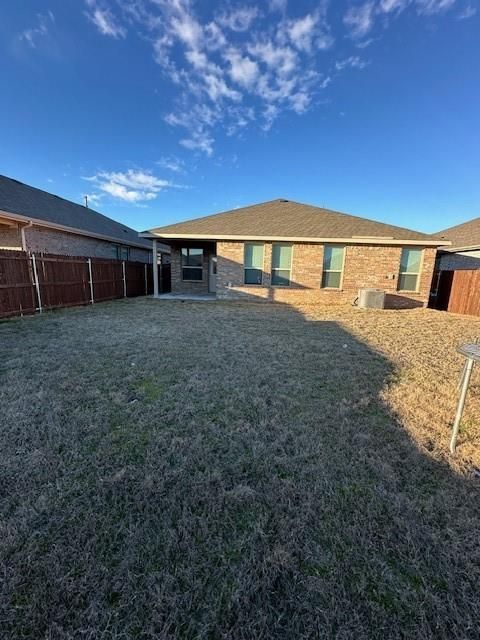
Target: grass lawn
column 182, row 470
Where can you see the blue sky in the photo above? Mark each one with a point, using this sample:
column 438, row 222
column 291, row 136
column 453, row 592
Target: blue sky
column 163, row 110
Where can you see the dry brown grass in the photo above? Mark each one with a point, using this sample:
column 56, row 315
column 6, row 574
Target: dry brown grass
column 180, row 470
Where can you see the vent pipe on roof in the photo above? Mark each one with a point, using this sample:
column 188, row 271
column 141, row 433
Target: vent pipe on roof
column 86, row 201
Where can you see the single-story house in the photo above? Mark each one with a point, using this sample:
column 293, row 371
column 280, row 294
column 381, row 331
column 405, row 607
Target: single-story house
column 37, row 221
column 464, row 252
column 293, row 253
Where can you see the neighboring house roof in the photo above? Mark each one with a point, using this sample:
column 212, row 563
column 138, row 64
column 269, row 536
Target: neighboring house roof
column 25, row 203
column 462, row 236
column 288, row 220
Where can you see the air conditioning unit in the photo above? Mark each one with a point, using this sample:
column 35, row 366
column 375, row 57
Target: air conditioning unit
column 371, row 298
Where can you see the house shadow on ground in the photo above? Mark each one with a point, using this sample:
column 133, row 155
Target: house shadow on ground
column 272, row 493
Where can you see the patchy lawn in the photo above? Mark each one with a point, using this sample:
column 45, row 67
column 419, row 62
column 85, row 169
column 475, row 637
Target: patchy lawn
column 180, row 470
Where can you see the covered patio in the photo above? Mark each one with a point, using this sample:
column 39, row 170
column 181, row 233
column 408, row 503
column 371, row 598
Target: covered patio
column 193, row 270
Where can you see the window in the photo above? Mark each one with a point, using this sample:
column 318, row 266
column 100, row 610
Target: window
column 192, row 264
column 253, row 263
column 281, row 264
column 333, row 258
column 409, row 269
column 122, row 252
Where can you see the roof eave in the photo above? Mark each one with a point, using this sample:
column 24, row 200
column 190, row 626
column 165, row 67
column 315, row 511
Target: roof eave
column 153, row 233
column 455, row 249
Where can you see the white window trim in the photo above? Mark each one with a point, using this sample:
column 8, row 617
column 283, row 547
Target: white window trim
column 186, row 266
column 411, row 273
column 272, row 269
column 253, row 268
column 341, row 271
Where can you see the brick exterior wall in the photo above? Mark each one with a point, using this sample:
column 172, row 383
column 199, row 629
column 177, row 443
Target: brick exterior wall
column 454, row 261
column 10, row 238
column 45, row 240
column 192, row 287
column 365, row 266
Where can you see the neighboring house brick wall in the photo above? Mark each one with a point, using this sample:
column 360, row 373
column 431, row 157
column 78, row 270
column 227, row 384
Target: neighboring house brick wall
column 10, row 238
column 365, row 266
column 461, row 260
column 45, row 240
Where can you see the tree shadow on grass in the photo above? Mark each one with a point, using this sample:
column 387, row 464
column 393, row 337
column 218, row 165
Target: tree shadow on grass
column 267, row 492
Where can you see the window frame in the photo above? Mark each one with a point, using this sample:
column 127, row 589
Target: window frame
column 340, row 271
column 256, row 284
column 187, row 266
column 410, row 273
column 272, row 268
column 123, row 248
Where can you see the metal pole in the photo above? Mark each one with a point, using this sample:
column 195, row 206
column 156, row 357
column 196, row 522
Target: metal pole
column 155, row 269
column 124, row 280
column 90, row 282
column 461, row 403
column 146, row 280
column 37, row 284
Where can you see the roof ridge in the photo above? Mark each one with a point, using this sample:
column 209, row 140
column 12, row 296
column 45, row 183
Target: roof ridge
column 302, row 204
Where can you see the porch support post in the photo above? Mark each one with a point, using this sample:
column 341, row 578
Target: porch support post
column 155, row 269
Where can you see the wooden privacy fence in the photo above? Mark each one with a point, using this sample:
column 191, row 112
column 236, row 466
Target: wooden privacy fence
column 459, row 292
column 35, row 282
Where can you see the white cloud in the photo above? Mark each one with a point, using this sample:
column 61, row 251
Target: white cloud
column 270, row 114
column 172, row 163
column 243, row 70
column 240, row 19
column 104, row 20
column 301, row 31
column 131, row 186
column 359, row 19
column 32, row 35
column 353, row 62
column 283, row 59
column 430, row 7
column 217, row 88
column 199, row 141
column 244, row 66
column 390, row 6
column 187, row 29
column 278, row 5
column 468, row 12
column 300, row 101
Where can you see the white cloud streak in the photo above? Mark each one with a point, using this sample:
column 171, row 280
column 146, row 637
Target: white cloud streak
column 241, row 65
column 468, row 12
column 102, row 17
column 40, row 30
column 133, row 186
column 360, row 18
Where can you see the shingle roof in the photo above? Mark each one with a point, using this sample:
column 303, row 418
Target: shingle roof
column 288, row 219
column 24, row 200
column 462, row 235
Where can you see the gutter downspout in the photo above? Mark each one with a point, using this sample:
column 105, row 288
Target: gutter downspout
column 22, row 234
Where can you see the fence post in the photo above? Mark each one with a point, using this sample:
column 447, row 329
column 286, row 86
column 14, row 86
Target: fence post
column 146, row 281
column 124, row 280
column 37, row 284
column 90, row 281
